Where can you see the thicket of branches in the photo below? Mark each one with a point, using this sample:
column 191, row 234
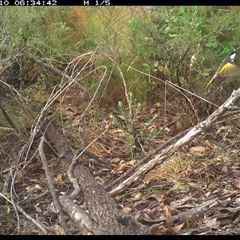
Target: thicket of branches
column 131, row 43
column 54, row 60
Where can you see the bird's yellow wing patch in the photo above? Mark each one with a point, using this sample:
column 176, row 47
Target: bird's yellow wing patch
column 229, row 70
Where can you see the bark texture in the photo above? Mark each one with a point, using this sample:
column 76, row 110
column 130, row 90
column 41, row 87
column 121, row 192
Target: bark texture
column 104, row 212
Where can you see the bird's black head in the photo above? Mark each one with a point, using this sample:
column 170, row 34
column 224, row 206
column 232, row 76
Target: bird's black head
column 233, row 54
column 234, row 51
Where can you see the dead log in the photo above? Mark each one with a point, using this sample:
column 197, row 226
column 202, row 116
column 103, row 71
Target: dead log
column 105, row 216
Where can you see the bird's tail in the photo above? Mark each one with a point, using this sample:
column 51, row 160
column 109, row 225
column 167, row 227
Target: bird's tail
column 209, row 83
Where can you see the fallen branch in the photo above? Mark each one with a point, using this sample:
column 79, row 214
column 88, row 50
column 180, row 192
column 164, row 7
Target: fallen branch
column 189, row 215
column 78, row 215
column 109, row 186
column 60, row 73
column 105, row 215
column 51, row 187
column 7, row 117
column 191, row 134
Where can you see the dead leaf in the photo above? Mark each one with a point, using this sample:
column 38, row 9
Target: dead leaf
column 122, row 117
column 158, row 207
column 58, row 179
column 235, row 215
column 169, row 218
column 147, row 218
column 115, row 160
column 178, row 227
column 38, row 209
column 211, row 223
column 58, row 230
column 33, row 188
column 236, row 184
column 127, row 209
column 160, row 230
column 224, row 169
column 238, row 201
column 158, row 197
column 121, row 167
column 136, row 197
column 197, row 150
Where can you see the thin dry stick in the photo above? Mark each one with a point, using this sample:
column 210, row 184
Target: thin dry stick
column 74, row 180
column 124, row 84
column 94, row 140
column 38, row 224
column 144, row 160
column 51, row 187
column 57, row 71
column 14, row 206
column 176, row 87
column 7, row 182
column 95, row 93
column 191, row 134
column 52, row 98
column 9, row 120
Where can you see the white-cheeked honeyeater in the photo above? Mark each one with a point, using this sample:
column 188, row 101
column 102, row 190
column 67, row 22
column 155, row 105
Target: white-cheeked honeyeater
column 227, row 71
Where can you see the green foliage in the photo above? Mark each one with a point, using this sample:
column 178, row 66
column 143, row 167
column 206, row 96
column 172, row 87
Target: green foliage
column 127, row 124
column 42, row 33
column 166, row 33
column 126, row 121
column 145, row 38
column 8, row 209
column 31, row 32
column 148, row 133
column 107, row 29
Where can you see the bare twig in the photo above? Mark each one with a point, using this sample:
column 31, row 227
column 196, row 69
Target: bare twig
column 124, row 84
column 174, row 86
column 178, row 67
column 7, row 117
column 19, row 208
column 57, row 71
column 191, row 134
column 14, row 206
column 74, row 180
column 51, row 188
column 38, row 224
column 7, row 182
column 123, row 176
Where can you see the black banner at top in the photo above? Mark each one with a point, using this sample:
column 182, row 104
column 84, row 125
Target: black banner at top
column 74, row 3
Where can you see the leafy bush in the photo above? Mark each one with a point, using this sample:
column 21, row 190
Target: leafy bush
column 164, row 34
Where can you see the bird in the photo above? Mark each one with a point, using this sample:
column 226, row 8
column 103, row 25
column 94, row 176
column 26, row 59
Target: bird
column 227, row 69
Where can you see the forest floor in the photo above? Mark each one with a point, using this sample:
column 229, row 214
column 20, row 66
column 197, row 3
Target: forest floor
column 194, row 192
